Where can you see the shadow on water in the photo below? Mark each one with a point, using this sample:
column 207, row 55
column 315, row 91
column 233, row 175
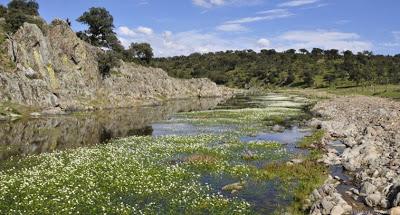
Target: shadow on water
column 47, row 134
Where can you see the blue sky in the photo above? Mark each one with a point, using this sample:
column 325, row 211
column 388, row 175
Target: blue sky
column 175, row 27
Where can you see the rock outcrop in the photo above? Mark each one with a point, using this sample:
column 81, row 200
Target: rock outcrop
column 55, row 69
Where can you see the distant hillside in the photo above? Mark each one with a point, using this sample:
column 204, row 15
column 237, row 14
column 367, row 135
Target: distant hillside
column 318, row 68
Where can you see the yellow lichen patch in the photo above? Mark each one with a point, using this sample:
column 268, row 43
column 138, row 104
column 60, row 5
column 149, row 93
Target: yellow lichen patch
column 65, row 60
column 38, row 62
column 54, row 83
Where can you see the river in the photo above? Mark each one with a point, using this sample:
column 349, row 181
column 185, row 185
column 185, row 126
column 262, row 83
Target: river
column 241, row 133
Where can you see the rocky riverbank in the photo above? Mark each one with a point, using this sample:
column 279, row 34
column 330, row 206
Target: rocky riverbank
column 53, row 71
column 369, row 129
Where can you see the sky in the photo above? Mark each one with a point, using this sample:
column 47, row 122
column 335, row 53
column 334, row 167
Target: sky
column 181, row 27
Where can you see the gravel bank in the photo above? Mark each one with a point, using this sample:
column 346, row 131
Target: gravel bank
column 369, row 129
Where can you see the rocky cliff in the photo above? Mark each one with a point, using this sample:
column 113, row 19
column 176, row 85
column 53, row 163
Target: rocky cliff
column 55, row 69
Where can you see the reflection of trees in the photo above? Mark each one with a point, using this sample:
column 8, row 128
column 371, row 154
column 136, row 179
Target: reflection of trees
column 36, row 136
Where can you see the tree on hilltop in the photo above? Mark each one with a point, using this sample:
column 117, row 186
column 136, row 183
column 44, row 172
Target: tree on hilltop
column 18, row 12
column 101, row 28
column 28, row 7
column 141, row 51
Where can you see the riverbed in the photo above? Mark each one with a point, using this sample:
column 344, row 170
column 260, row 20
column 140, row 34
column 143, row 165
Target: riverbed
column 202, row 156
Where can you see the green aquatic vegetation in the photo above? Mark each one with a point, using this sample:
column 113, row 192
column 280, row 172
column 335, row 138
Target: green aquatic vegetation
column 301, row 178
column 161, row 175
column 312, row 141
column 245, row 121
column 298, row 179
column 131, row 175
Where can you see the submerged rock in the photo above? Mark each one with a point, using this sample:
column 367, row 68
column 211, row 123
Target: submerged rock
column 235, row 187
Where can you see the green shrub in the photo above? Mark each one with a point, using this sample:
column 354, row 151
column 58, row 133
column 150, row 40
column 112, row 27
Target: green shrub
column 106, row 61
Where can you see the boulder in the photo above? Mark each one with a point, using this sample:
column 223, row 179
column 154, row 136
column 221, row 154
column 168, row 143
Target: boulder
column 367, row 189
column 373, row 200
column 395, row 211
column 337, row 210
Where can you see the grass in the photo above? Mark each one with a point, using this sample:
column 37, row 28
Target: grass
column 313, row 141
column 299, row 179
column 386, row 91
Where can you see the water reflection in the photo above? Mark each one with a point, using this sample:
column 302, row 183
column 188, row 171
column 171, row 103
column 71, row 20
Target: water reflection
column 35, row 136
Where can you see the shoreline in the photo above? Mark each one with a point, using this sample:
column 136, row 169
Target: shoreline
column 367, row 130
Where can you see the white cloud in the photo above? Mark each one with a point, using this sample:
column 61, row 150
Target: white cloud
column 395, row 42
column 297, row 3
column 168, row 43
column 231, row 28
column 263, row 43
column 323, row 39
column 391, row 44
column 264, row 15
column 145, row 30
column 216, row 3
column 127, row 32
column 396, row 35
column 208, row 3
column 342, row 22
column 143, row 2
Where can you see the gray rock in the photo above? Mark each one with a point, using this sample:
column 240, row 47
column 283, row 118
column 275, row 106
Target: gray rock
column 278, row 128
column 367, row 189
column 30, row 73
column 395, row 211
column 337, row 210
column 326, row 206
column 373, row 200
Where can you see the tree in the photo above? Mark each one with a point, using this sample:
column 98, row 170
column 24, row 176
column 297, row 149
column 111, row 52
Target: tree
column 107, row 61
column 28, row 7
column 308, row 78
column 3, row 11
column 317, row 52
column 15, row 20
column 304, row 51
column 141, row 51
column 19, row 12
column 101, row 28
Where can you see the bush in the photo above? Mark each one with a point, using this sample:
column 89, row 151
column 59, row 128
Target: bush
column 106, row 61
column 19, row 12
column 28, row 7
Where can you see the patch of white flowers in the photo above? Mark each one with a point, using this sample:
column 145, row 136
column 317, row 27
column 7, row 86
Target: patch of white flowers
column 139, row 175
column 128, row 176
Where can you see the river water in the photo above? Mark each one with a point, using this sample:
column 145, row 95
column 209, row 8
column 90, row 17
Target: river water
column 48, row 134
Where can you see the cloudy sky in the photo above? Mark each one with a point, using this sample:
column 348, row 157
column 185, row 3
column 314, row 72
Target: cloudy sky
column 181, row 27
